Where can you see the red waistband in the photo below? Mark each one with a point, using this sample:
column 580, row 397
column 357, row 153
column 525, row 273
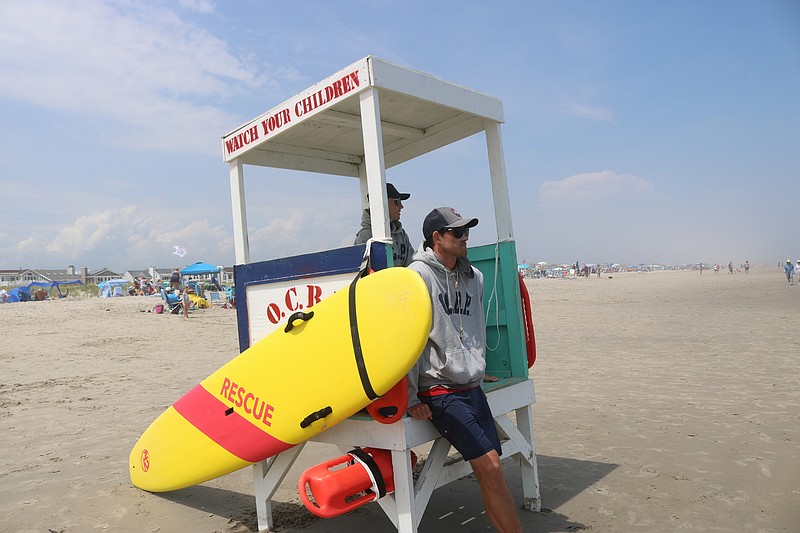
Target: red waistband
column 439, row 390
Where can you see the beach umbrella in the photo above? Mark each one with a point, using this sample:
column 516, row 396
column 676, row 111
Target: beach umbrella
column 199, row 268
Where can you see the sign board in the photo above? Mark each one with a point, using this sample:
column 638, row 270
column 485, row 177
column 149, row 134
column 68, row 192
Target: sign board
column 269, row 305
column 317, row 98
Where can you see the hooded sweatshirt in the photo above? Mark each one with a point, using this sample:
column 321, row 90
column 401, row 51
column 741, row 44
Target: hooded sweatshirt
column 401, row 244
column 455, row 354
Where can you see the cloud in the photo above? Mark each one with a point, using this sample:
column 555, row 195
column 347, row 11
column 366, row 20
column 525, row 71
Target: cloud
column 201, row 6
column 296, row 230
column 125, row 237
column 590, row 112
column 592, row 188
column 140, row 65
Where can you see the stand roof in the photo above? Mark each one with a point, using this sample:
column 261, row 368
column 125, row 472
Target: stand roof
column 320, row 129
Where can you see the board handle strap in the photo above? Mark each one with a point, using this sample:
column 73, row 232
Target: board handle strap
column 299, row 315
column 313, row 417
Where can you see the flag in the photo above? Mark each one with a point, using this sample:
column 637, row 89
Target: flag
column 180, row 251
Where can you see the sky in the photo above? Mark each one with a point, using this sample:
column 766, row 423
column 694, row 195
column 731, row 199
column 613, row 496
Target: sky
column 635, row 132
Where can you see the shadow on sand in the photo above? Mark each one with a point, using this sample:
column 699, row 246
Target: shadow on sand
column 457, row 507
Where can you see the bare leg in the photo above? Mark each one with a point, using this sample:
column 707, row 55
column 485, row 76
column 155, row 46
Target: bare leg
column 496, row 497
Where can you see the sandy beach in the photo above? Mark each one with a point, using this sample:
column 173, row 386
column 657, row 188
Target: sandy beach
column 666, row 401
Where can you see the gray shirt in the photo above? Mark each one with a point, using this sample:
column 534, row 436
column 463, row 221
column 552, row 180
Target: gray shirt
column 401, row 244
column 455, row 354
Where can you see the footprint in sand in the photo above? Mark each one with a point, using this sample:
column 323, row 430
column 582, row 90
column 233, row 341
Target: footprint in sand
column 648, row 471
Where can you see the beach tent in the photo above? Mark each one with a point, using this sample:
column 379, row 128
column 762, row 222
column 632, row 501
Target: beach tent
column 20, row 294
column 50, row 285
column 199, row 268
column 112, row 287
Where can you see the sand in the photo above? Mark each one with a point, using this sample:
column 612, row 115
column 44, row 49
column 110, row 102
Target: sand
column 666, row 401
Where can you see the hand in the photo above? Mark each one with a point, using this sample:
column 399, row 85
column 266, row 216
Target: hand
column 420, row 411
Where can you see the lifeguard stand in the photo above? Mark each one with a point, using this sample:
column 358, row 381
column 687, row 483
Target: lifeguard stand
column 370, row 116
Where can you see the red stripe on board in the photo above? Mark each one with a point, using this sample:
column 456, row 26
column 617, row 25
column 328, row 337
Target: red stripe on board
column 233, row 432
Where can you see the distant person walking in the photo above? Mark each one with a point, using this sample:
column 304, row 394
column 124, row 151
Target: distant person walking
column 730, row 267
column 789, row 270
column 747, row 267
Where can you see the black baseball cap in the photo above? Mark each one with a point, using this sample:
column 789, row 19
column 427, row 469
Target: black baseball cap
column 444, row 218
column 391, row 192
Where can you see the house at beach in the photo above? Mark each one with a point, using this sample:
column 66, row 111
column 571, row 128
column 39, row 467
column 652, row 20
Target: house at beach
column 24, row 276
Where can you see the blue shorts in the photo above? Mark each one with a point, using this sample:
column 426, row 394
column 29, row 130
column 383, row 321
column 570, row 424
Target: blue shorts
column 464, row 419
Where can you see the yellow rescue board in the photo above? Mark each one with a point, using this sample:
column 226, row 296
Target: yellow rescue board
column 291, row 385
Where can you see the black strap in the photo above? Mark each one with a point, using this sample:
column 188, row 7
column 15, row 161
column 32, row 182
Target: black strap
column 313, row 417
column 362, row 368
column 299, row 315
column 367, row 460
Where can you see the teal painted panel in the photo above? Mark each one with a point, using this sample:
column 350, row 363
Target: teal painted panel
column 505, row 334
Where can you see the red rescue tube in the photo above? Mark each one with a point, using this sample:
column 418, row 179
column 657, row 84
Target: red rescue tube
column 390, row 407
column 530, row 339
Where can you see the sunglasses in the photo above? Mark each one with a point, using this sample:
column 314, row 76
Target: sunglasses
column 458, row 232
column 397, row 201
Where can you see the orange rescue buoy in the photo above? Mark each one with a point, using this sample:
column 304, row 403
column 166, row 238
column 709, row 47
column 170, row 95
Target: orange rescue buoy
column 340, row 485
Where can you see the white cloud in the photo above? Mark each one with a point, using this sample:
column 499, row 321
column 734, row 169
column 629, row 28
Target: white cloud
column 591, row 188
column 125, row 237
column 201, row 6
column 590, row 112
column 140, row 65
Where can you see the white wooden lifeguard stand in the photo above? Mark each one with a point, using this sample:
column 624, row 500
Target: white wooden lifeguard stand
column 370, row 116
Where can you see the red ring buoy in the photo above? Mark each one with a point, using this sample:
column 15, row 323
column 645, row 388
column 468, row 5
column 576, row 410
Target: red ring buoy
column 530, row 340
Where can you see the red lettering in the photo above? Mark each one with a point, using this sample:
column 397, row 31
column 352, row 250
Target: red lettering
column 291, row 304
column 314, row 295
column 229, row 145
column 337, row 88
column 346, row 84
column 268, row 415
column 273, row 313
column 232, row 393
column 253, row 405
column 276, row 121
column 225, row 386
column 251, row 135
column 354, row 78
